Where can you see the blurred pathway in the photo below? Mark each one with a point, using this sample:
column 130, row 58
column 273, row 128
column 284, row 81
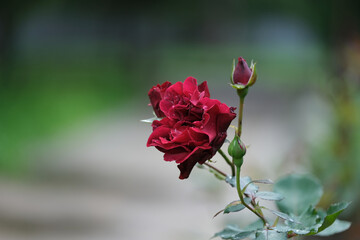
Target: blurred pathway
column 101, row 182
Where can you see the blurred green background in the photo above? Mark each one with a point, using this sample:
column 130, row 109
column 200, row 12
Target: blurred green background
column 66, row 64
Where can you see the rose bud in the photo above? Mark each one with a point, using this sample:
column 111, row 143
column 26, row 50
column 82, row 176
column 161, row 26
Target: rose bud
column 237, row 150
column 242, row 75
column 242, row 72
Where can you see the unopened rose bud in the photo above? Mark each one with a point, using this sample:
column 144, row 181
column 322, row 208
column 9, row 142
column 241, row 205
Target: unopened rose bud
column 243, row 76
column 242, row 72
column 237, row 150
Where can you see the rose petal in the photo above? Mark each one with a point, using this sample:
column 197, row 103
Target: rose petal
column 198, row 156
column 156, row 94
column 203, row 88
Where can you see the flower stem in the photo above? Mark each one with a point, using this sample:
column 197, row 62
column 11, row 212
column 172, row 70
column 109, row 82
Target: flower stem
column 242, row 197
column 241, row 107
column 216, row 169
column 276, row 222
column 231, row 164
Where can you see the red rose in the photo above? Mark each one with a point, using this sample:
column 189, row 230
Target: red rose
column 156, row 93
column 194, row 126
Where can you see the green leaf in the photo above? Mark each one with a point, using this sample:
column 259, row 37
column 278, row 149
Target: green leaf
column 250, row 189
column 282, row 215
column 231, row 180
column 242, row 235
column 258, row 224
column 337, row 227
column 322, row 213
column 270, row 235
column 233, row 232
column 200, row 166
column 300, row 192
column 309, row 218
column 236, row 206
column 218, row 213
column 269, row 196
column 307, row 223
column 216, row 174
column 311, row 222
column 263, row 181
column 332, row 213
column 228, row 232
column 282, row 228
column 287, row 229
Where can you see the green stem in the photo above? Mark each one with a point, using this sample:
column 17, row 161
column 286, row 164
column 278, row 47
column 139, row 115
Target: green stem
column 232, row 166
column 242, row 197
column 216, row 169
column 241, row 107
column 276, row 222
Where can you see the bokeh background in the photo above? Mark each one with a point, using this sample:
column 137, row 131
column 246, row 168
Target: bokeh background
column 74, row 77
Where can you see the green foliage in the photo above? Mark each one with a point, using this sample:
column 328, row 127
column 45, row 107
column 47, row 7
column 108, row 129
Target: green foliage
column 282, row 215
column 272, row 196
column 270, row 235
column 263, row 181
column 337, row 227
column 332, row 213
column 236, row 206
column 313, row 221
column 300, row 191
column 308, row 222
column 248, row 187
column 233, row 232
column 216, row 174
column 50, row 96
column 296, row 196
column 257, row 225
